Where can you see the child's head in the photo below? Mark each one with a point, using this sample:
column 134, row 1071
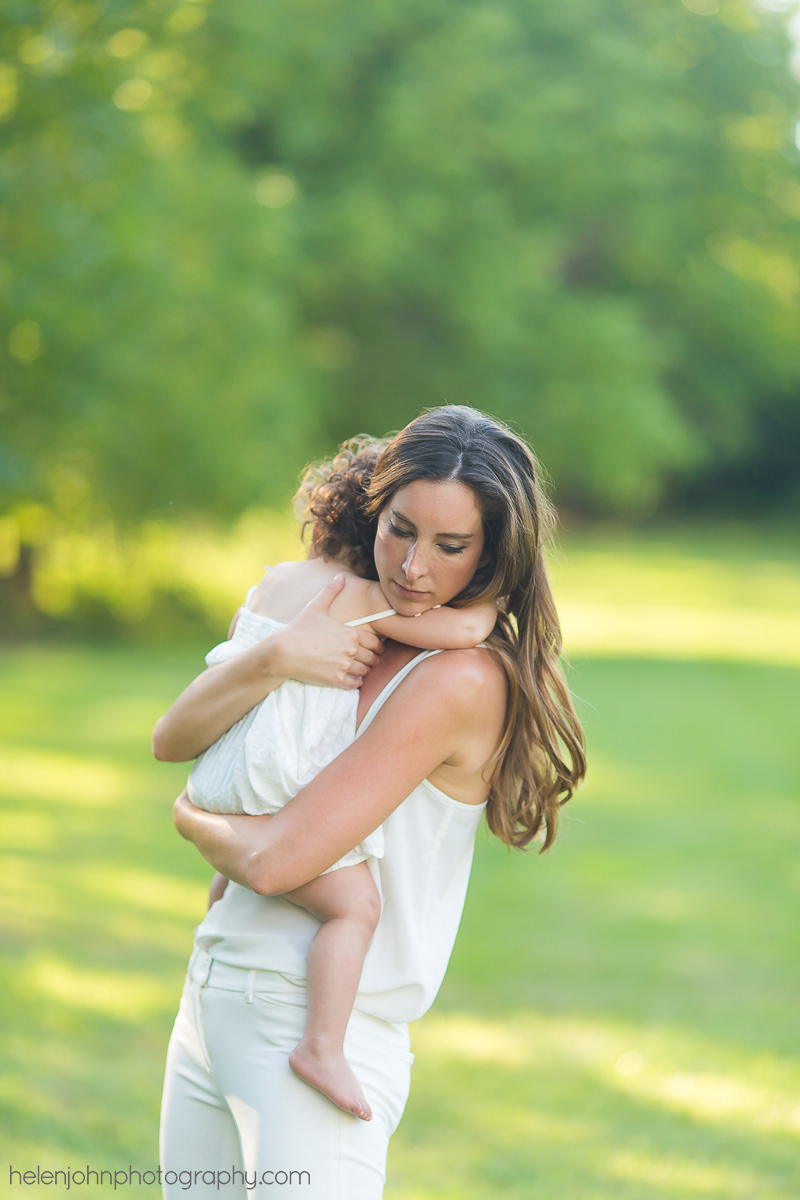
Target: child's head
column 330, row 499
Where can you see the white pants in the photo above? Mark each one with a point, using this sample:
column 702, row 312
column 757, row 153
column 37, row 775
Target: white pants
column 237, row 1123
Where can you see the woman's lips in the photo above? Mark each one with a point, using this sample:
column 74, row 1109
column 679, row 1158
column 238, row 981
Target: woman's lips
column 408, row 592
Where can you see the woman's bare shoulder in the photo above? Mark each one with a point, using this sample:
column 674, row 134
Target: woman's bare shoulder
column 451, row 706
column 473, row 679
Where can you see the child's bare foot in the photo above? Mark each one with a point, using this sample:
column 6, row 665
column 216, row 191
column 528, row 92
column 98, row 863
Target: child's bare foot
column 327, row 1069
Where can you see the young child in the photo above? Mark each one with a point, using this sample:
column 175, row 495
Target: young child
column 260, row 763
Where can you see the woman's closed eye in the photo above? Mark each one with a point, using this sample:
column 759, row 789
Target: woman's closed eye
column 406, row 533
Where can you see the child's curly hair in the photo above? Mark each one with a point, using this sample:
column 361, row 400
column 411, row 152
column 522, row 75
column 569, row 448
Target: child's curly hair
column 330, row 499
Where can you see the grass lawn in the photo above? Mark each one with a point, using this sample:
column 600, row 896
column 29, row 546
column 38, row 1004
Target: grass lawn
column 619, row 1021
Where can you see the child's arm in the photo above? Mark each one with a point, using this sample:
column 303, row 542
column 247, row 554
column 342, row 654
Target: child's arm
column 442, row 628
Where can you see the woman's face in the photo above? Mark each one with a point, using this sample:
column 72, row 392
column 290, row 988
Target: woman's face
column 428, row 545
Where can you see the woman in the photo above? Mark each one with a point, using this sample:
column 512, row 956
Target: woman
column 459, row 514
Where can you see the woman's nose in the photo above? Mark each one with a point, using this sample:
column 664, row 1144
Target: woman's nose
column 414, row 565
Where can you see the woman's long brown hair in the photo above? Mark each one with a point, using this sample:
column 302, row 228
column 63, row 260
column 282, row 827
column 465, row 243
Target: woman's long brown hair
column 541, row 758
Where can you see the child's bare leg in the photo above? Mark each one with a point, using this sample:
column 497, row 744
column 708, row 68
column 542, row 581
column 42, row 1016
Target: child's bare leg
column 347, row 903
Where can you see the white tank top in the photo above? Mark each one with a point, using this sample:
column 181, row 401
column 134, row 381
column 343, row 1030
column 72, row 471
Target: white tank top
column 422, row 880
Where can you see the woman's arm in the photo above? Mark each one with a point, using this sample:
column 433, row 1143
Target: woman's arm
column 216, row 888
column 314, row 648
column 215, row 701
column 426, row 720
column 442, row 628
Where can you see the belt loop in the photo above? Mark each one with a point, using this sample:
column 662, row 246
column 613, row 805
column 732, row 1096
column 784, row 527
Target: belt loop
column 204, row 965
column 251, row 987
column 200, row 965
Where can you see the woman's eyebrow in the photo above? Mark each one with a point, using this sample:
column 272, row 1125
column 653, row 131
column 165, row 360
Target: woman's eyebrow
column 461, row 537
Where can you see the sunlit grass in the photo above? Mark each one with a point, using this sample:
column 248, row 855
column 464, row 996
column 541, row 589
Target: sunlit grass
column 550, row 1105
column 619, row 1019
column 723, row 596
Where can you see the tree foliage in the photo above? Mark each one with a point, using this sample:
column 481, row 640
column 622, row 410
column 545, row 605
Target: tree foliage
column 237, row 232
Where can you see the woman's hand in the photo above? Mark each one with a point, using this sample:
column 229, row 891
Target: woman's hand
column 220, row 838
column 314, row 648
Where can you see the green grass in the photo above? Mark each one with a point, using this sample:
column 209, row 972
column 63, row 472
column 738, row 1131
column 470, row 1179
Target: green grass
column 619, row 1021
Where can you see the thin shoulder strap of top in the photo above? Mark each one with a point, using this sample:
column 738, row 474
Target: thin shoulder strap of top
column 393, row 683
column 390, row 612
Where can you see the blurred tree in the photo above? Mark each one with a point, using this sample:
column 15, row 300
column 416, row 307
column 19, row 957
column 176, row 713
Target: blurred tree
column 238, row 233
column 149, row 325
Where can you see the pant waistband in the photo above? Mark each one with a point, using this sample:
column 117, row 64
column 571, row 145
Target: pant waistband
column 205, row 971
column 209, row 972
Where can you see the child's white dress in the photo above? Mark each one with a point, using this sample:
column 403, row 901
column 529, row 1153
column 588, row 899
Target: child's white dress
column 261, row 762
